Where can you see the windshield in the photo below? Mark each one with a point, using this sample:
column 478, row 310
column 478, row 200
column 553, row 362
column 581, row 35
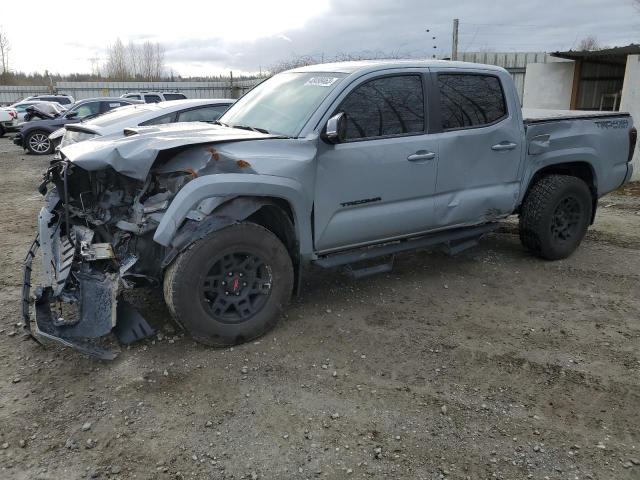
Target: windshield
column 283, row 103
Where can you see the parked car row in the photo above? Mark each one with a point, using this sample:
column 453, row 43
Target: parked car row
column 114, row 123
column 34, row 135
column 155, row 97
column 25, row 107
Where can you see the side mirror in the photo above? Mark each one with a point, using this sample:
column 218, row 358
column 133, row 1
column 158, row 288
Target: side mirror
column 336, row 129
column 71, row 114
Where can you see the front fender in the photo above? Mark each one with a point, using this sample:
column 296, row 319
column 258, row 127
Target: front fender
column 238, row 185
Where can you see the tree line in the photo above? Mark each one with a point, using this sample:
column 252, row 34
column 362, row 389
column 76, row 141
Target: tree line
column 135, row 61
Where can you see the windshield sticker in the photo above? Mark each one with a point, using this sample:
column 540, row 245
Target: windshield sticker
column 321, row 81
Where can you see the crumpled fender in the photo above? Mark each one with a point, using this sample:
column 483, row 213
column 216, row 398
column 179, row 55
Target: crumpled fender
column 134, row 156
column 238, row 185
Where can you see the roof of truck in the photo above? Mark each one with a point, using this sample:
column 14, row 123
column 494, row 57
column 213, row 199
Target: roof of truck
column 373, row 65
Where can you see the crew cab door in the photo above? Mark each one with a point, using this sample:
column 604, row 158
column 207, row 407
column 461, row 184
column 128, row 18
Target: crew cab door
column 480, row 143
column 377, row 184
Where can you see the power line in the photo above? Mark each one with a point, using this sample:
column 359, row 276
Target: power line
column 509, row 25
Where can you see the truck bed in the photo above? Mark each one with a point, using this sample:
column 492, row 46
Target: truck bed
column 535, row 115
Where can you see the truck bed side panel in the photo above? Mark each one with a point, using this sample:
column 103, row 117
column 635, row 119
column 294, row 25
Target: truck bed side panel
column 603, row 143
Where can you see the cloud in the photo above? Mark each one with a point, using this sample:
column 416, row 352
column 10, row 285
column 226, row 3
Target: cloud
column 398, row 28
column 260, row 34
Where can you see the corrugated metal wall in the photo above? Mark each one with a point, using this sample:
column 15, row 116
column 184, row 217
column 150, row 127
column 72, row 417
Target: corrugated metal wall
column 11, row 93
column 80, row 90
column 219, row 89
column 514, row 62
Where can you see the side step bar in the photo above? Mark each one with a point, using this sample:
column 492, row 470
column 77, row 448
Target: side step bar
column 452, row 241
column 362, row 272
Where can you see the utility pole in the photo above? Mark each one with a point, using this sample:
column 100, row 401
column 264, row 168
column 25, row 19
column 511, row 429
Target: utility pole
column 454, row 40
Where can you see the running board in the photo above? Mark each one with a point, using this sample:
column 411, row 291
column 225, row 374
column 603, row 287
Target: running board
column 453, row 242
column 362, row 272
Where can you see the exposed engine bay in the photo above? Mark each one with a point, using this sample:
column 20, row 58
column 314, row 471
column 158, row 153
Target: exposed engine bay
column 110, row 224
column 95, row 237
column 95, row 240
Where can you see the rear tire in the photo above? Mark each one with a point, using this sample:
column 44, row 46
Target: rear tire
column 555, row 216
column 231, row 286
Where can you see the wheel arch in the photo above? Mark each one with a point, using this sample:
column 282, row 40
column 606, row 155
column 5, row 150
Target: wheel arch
column 276, row 214
column 240, row 195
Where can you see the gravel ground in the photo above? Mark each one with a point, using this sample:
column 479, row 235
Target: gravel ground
column 491, row 364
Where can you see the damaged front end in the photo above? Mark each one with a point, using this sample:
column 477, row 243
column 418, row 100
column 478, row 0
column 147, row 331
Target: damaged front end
column 95, row 241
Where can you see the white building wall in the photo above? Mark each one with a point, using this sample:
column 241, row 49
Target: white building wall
column 514, row 62
column 630, row 102
column 548, row 85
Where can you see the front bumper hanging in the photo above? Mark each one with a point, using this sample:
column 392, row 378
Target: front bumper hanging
column 98, row 309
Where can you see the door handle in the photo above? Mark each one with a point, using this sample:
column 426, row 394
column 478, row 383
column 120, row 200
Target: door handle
column 501, row 147
column 421, row 155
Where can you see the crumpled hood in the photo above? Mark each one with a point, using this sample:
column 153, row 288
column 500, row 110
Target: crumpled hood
column 135, row 154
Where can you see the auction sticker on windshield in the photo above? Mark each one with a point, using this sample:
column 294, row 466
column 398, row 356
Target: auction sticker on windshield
column 321, row 81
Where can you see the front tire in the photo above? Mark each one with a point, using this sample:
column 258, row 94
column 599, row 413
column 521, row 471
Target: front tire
column 231, row 286
column 38, row 143
column 2, row 131
column 555, row 216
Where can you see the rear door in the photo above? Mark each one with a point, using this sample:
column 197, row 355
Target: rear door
column 479, row 144
column 379, row 183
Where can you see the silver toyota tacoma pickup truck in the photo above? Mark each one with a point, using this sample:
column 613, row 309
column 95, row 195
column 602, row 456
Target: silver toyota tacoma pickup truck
column 340, row 164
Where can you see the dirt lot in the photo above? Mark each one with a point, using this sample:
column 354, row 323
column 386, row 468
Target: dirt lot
column 492, row 364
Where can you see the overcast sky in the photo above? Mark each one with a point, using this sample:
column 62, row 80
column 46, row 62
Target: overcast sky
column 205, row 38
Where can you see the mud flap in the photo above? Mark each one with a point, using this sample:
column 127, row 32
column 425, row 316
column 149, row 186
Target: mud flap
column 131, row 325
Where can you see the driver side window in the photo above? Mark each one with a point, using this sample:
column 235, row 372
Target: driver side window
column 86, row 109
column 387, row 106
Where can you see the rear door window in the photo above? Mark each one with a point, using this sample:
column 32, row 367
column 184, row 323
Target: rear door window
column 86, row 109
column 152, row 99
column 470, row 100
column 169, row 118
column 387, row 106
column 203, row 114
column 174, row 96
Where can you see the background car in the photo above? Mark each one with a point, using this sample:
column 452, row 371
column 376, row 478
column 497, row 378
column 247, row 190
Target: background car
column 43, row 110
column 8, row 119
column 34, row 135
column 112, row 123
column 155, row 97
column 21, row 107
column 61, row 99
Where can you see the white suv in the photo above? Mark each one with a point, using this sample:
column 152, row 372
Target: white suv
column 155, row 97
column 61, row 99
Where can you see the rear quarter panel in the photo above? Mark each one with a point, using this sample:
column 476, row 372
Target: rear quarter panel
column 603, row 143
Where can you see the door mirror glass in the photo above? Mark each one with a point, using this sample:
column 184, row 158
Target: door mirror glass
column 336, row 129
